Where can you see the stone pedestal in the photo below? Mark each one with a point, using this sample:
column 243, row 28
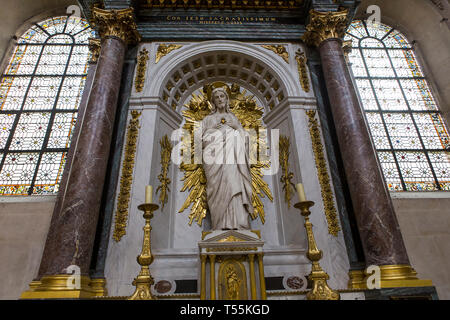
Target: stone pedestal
column 234, row 261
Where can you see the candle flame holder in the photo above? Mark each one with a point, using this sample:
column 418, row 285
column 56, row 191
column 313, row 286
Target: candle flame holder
column 144, row 281
column 318, row 277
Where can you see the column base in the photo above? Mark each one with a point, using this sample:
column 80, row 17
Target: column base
column 98, row 287
column 55, row 287
column 391, row 276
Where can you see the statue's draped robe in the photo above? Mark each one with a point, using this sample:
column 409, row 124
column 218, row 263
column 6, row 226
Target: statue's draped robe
column 227, row 169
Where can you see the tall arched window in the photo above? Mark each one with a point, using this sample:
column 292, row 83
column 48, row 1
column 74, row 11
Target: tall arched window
column 40, row 92
column 407, row 130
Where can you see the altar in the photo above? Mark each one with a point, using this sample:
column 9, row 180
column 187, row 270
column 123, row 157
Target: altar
column 234, row 126
column 259, row 78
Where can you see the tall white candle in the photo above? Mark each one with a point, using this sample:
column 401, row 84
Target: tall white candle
column 148, row 194
column 301, row 192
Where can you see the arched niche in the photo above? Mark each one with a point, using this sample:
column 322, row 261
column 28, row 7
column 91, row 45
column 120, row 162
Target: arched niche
column 254, row 68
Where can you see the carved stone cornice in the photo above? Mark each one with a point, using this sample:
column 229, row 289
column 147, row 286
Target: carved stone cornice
column 94, row 47
column 116, row 23
column 325, row 25
column 221, row 4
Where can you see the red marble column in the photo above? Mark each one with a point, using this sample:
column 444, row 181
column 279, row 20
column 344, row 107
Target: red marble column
column 71, row 239
column 94, row 46
column 71, row 236
column 377, row 223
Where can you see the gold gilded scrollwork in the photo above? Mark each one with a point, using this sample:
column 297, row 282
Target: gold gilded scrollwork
column 116, row 23
column 325, row 25
column 164, row 49
column 287, row 176
column 94, row 47
column 324, row 178
column 347, row 48
column 141, row 70
column 126, row 179
column 250, row 115
column 166, row 152
column 231, row 239
column 302, row 71
column 279, row 50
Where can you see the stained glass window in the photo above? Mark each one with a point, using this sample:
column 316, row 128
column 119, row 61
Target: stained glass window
column 407, row 129
column 40, row 92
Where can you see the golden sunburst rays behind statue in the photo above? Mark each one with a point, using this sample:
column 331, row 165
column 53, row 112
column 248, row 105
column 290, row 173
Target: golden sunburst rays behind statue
column 249, row 114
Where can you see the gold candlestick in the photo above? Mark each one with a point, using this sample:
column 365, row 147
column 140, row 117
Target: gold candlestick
column 318, row 278
column 144, row 281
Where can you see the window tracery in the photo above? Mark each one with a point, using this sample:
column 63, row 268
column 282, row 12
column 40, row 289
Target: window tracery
column 40, row 92
column 407, row 129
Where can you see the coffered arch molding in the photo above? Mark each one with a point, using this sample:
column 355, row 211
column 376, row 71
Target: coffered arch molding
column 187, row 69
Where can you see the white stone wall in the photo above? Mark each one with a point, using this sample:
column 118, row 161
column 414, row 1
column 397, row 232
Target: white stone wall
column 24, row 225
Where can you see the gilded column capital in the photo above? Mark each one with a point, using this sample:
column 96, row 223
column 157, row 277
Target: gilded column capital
column 94, row 47
column 325, row 25
column 116, row 23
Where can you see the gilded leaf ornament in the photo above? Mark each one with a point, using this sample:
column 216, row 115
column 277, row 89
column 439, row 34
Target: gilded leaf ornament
column 279, row 50
column 249, row 114
column 302, row 70
column 116, row 23
column 325, row 25
column 164, row 49
column 287, row 176
column 166, row 153
column 94, row 47
column 324, row 178
column 121, row 217
column 347, row 48
column 141, row 70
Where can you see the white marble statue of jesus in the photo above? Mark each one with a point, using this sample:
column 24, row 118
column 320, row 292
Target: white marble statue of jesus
column 226, row 165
